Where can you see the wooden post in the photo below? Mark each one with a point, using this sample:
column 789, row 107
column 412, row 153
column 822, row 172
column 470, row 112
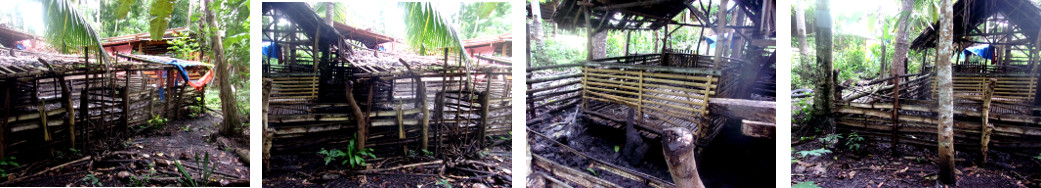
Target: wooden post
column 639, row 106
column 7, row 115
column 401, row 126
column 439, row 111
column 483, row 125
column 678, row 148
column 421, row 95
column 126, row 102
column 988, row 129
column 71, row 120
column 721, row 27
column 894, row 137
column 264, row 122
column 43, row 118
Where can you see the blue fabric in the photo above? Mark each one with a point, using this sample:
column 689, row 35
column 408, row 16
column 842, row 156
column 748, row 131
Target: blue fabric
column 271, row 50
column 980, row 50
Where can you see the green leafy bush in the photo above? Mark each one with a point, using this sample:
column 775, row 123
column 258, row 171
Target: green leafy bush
column 853, row 141
column 806, row 184
column 816, row 152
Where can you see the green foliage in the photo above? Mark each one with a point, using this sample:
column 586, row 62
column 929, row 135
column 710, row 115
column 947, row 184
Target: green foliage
column 805, row 110
column 124, row 8
column 484, row 19
column 831, row 139
column 1038, row 157
column 816, row 152
column 592, row 171
column 443, row 183
column 427, row 153
column 160, row 11
column 182, row 46
column 616, row 148
column 428, row 29
column 186, row 128
column 157, row 121
column 188, row 179
column 5, row 163
column 331, row 155
column 806, row 184
column 68, row 31
column 853, row 141
column 354, row 156
column 92, row 180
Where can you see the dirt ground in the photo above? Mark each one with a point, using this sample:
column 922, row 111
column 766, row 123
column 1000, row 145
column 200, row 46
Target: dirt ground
column 874, row 166
column 148, row 159
column 305, row 168
column 727, row 162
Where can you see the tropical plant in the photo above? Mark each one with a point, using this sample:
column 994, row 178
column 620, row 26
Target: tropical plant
column 816, row 152
column 853, row 141
column 92, row 180
column 331, row 155
column 189, row 180
column 68, row 31
column 7, row 162
column 428, row 29
column 355, row 157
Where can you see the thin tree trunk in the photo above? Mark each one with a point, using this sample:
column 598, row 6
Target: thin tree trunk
column 537, row 33
column 800, row 29
column 825, row 88
column 945, row 140
column 227, row 97
column 329, row 13
column 721, row 27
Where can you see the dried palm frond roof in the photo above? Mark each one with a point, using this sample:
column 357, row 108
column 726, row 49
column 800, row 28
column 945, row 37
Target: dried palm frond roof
column 968, row 14
column 302, row 15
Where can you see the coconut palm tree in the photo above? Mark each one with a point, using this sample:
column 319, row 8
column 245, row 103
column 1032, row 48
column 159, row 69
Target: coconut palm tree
column 429, row 29
column 68, row 31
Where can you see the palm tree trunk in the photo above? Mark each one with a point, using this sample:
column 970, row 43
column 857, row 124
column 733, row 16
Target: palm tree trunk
column 945, row 140
column 537, row 34
column 825, row 89
column 900, row 52
column 227, row 97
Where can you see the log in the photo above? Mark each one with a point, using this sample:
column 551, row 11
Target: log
column 571, row 175
column 437, row 162
column 678, row 147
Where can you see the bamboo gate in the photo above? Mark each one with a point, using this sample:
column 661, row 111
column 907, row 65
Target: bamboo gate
column 54, row 102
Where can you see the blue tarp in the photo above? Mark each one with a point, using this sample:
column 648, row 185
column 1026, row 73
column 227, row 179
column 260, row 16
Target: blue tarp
column 980, row 50
column 271, row 50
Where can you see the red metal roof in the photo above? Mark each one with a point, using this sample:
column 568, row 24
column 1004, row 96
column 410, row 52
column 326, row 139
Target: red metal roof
column 481, row 41
column 369, row 38
column 140, row 37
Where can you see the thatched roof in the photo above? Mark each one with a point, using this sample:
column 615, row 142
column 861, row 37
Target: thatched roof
column 971, row 13
column 307, row 19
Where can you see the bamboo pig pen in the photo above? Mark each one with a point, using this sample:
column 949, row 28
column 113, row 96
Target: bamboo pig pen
column 53, row 102
column 442, row 107
column 667, row 96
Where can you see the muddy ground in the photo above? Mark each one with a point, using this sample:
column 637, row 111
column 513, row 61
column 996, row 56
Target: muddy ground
column 730, row 160
column 303, row 167
column 148, row 158
column 873, row 166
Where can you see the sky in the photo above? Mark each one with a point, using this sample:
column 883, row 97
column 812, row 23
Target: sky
column 32, row 14
column 361, row 13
